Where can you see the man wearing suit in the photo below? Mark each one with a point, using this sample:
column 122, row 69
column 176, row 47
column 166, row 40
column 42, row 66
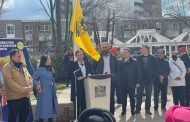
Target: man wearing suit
column 148, row 65
column 184, row 56
column 161, row 82
column 108, row 64
column 82, row 69
column 130, row 76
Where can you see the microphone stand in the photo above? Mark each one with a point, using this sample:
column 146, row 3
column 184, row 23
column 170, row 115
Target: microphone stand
column 76, row 97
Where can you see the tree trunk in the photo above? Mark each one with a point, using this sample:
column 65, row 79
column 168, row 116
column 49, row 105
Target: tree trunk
column 54, row 38
column 59, row 46
column 113, row 24
column 108, row 26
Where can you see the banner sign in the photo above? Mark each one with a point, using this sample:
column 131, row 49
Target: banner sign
column 6, row 45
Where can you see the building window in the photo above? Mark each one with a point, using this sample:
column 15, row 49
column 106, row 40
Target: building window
column 143, row 26
column 42, row 29
column 10, row 31
column 28, row 30
column 173, row 26
column 137, row 4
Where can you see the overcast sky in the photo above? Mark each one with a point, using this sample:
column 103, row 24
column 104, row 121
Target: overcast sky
column 24, row 10
column 27, row 10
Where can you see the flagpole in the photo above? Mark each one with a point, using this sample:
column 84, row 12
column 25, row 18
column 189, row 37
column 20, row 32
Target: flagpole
column 76, row 97
column 76, row 100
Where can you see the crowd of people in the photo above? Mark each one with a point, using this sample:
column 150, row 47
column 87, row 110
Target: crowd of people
column 133, row 77
column 136, row 77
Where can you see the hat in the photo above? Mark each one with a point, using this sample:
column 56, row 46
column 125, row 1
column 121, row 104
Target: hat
column 96, row 115
column 113, row 51
column 182, row 49
column 177, row 114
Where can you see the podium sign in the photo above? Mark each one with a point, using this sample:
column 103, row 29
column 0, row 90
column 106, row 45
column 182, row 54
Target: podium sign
column 97, row 91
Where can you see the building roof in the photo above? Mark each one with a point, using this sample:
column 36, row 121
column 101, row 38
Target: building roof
column 147, row 36
column 182, row 37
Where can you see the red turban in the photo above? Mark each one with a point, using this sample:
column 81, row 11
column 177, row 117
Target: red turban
column 113, row 51
column 182, row 49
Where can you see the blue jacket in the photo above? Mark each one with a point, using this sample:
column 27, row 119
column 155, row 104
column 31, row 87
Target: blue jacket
column 186, row 60
column 47, row 103
column 129, row 74
column 163, row 69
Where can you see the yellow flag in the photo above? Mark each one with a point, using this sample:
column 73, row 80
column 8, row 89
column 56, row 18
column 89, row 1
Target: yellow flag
column 80, row 34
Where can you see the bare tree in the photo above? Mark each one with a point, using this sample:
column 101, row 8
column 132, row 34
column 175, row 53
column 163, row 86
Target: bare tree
column 53, row 10
column 2, row 6
column 111, row 12
column 49, row 8
column 45, row 44
column 91, row 5
column 177, row 9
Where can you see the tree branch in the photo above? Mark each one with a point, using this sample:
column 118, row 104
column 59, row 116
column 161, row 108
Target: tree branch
column 93, row 6
column 1, row 6
column 54, row 5
column 48, row 4
column 45, row 9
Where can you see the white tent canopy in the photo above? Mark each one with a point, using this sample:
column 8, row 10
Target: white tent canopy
column 151, row 38
column 183, row 38
column 147, row 36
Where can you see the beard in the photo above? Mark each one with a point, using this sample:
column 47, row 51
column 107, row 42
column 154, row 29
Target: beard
column 105, row 52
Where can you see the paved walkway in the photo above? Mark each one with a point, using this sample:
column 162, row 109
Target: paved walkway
column 156, row 117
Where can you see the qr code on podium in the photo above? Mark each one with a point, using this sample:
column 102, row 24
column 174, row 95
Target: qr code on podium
column 100, row 91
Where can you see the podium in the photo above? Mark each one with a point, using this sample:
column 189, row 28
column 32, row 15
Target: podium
column 97, row 91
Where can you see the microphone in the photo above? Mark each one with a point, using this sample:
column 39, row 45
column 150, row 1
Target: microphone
column 80, row 66
column 77, row 70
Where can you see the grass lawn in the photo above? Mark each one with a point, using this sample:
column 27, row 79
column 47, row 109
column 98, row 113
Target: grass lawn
column 59, row 86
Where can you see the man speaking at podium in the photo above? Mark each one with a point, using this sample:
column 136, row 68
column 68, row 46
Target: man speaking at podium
column 81, row 69
column 108, row 64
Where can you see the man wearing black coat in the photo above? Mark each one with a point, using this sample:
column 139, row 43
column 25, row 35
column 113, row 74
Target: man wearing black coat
column 161, row 82
column 130, row 75
column 108, row 64
column 184, row 56
column 148, row 65
column 82, row 69
column 67, row 62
